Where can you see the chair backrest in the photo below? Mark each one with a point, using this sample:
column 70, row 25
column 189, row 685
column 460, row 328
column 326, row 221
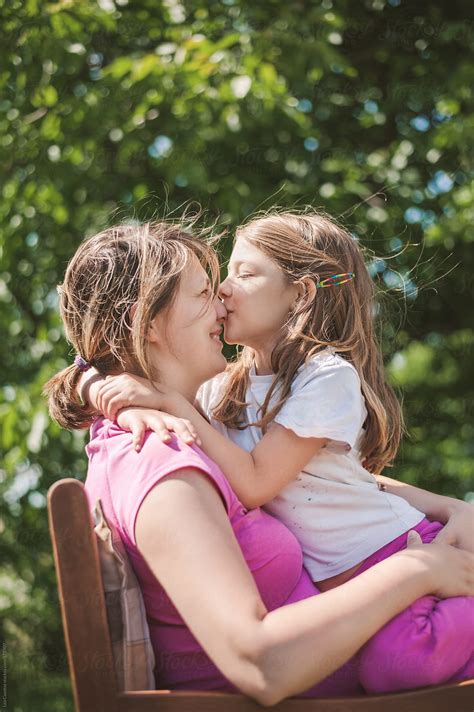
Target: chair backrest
column 90, row 653
column 82, row 599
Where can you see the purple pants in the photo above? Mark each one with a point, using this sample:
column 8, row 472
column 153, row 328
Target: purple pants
column 429, row 643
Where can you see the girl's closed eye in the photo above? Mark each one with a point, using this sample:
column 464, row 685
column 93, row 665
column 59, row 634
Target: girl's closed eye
column 245, row 275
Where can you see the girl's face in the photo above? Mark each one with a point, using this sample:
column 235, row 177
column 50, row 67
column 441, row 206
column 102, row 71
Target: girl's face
column 257, row 296
column 186, row 339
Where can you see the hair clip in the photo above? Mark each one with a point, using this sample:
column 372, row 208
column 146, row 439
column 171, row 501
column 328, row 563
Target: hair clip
column 81, row 363
column 335, row 280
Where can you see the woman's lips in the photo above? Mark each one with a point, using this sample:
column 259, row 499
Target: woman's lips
column 216, row 335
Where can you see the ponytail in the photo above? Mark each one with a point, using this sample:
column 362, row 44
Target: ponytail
column 64, row 403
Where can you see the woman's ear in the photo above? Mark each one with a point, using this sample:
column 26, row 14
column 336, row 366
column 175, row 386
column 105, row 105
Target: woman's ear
column 153, row 335
column 152, row 332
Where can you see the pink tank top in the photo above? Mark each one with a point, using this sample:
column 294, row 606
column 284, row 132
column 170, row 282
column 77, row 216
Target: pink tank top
column 122, row 478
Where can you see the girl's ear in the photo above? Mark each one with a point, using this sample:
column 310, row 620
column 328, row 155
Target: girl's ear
column 306, row 292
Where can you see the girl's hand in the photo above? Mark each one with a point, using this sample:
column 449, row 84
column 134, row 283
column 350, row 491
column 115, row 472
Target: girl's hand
column 452, row 569
column 117, row 392
column 139, row 420
column 459, row 529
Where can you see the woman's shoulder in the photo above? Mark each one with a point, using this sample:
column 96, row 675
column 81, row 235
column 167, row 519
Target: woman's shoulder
column 129, row 475
column 155, row 460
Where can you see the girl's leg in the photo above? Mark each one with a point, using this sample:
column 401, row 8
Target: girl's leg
column 343, row 682
column 431, row 642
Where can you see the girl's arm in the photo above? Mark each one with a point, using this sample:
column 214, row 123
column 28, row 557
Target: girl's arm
column 435, row 506
column 89, row 388
column 270, row 656
column 277, row 459
column 256, row 477
column 457, row 515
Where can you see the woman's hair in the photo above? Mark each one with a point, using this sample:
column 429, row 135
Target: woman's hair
column 314, row 246
column 136, row 265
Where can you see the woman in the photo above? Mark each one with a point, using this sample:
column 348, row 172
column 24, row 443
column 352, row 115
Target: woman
column 229, row 603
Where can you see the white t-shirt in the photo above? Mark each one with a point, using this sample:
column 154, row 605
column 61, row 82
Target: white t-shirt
column 334, row 506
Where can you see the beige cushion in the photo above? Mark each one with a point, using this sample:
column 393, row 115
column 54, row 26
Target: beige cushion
column 129, row 632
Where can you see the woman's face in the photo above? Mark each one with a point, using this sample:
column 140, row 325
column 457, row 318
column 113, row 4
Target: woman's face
column 186, row 339
column 257, row 296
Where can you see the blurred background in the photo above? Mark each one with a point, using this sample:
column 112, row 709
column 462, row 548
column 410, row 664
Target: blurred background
column 121, row 109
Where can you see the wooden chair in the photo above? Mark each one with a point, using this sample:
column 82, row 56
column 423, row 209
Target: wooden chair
column 89, row 648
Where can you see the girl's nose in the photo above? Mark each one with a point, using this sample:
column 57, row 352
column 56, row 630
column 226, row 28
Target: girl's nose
column 221, row 311
column 225, row 289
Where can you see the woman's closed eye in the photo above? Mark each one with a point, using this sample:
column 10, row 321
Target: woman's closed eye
column 245, row 275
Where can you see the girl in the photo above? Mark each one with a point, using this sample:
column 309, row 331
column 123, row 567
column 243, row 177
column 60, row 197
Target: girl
column 303, row 424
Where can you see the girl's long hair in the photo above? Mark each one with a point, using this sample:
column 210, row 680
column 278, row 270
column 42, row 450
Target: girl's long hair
column 135, row 266
column 313, row 246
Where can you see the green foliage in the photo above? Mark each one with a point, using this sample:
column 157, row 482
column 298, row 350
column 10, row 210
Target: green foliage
column 118, row 109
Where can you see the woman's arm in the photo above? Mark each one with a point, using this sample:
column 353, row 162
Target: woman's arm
column 270, row 656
